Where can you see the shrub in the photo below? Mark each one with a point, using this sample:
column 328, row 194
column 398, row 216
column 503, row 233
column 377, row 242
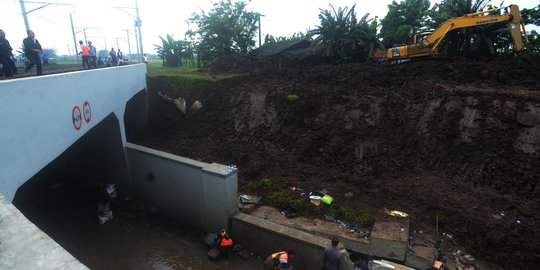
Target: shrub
column 293, row 98
column 261, row 186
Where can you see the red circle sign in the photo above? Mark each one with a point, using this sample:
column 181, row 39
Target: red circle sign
column 87, row 112
column 76, row 117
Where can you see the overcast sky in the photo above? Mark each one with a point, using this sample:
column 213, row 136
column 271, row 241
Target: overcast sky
column 106, row 25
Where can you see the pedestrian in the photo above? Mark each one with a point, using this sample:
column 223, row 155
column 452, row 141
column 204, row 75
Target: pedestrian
column 225, row 246
column 279, row 260
column 85, row 52
column 120, row 57
column 32, row 52
column 114, row 60
column 332, row 256
column 93, row 54
column 6, row 56
column 45, row 60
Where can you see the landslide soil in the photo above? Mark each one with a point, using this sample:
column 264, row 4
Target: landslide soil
column 457, row 142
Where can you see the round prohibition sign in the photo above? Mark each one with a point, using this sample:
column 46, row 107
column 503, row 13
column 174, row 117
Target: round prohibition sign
column 76, row 117
column 87, row 112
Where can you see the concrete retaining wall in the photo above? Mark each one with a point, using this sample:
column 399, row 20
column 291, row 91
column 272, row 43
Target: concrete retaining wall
column 196, row 193
column 264, row 237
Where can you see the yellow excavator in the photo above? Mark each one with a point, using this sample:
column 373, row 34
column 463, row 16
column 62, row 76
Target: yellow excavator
column 429, row 46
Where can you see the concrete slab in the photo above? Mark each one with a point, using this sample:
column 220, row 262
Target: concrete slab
column 326, row 229
column 390, row 239
column 25, row 246
column 421, row 257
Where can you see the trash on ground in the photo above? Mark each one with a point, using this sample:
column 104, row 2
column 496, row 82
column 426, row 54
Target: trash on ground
column 396, row 213
column 249, row 199
column 104, row 213
column 290, row 212
column 380, row 265
column 110, row 191
column 349, row 194
column 327, row 199
column 437, row 265
column 316, row 202
column 329, row 218
column 323, row 191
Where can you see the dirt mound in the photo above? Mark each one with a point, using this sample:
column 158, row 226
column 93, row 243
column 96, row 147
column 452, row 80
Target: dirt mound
column 458, row 140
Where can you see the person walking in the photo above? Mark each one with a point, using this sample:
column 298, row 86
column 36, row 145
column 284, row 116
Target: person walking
column 278, row 260
column 6, row 56
column 114, row 60
column 85, row 52
column 93, row 55
column 332, row 256
column 32, row 52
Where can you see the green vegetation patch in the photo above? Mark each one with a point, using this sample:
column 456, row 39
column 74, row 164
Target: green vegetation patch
column 282, row 197
column 293, row 98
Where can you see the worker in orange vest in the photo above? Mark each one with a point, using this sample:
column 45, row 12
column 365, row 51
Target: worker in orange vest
column 226, row 245
column 279, row 260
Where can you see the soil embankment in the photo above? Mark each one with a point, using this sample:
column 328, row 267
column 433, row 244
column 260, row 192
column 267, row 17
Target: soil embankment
column 457, row 140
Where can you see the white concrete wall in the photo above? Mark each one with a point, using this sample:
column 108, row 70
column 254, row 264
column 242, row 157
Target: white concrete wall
column 196, row 193
column 36, row 123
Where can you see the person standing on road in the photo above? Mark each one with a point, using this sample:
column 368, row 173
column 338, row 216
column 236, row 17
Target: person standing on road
column 279, row 261
column 6, row 56
column 85, row 52
column 114, row 60
column 332, row 256
column 93, row 54
column 32, row 52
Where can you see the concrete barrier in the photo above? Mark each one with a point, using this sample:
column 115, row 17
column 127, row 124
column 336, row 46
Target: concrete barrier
column 199, row 194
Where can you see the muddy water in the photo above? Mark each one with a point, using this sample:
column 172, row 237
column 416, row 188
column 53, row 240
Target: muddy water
column 138, row 237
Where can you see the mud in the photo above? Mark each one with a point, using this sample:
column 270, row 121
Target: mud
column 457, row 142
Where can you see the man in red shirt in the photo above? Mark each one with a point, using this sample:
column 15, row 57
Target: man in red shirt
column 85, row 52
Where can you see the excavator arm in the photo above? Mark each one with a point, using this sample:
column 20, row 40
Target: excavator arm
column 429, row 47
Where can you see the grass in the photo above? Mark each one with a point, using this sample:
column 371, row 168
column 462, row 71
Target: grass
column 281, row 197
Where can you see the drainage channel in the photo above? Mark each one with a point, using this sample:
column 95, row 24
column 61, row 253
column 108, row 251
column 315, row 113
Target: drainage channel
column 138, row 236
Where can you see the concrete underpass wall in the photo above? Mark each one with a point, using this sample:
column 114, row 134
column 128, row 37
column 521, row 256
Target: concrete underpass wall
column 265, row 237
column 196, row 193
column 36, row 115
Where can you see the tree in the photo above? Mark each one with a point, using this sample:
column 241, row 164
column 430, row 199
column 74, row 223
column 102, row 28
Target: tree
column 402, row 20
column 103, row 53
column 169, row 51
column 50, row 52
column 471, row 42
column 343, row 38
column 296, row 36
column 531, row 16
column 226, row 28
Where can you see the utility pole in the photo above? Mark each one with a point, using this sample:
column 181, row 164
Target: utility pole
column 23, row 9
column 74, row 39
column 129, row 44
column 138, row 24
column 260, row 30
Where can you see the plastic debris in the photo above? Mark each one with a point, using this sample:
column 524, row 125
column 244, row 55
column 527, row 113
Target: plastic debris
column 327, row 199
column 396, row 213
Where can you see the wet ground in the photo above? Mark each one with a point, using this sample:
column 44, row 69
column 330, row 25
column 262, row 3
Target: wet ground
column 138, row 237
